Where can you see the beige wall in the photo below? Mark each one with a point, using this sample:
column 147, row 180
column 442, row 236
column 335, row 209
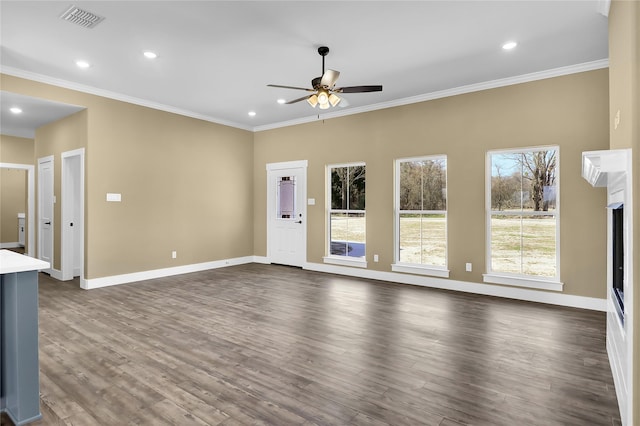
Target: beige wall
column 53, row 139
column 13, row 200
column 16, row 150
column 14, row 186
column 624, row 87
column 186, row 184
column 199, row 188
column 569, row 111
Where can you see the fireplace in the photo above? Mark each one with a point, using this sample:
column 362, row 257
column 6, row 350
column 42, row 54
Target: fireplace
column 617, row 258
column 611, row 169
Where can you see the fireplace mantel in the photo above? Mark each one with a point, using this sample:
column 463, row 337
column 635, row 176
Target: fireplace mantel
column 602, row 167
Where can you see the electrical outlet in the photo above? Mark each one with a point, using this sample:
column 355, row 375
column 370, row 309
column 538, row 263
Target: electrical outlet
column 375, row 258
column 469, row 267
column 174, row 254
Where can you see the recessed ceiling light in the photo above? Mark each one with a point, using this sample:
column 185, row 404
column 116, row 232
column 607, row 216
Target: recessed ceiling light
column 149, row 54
column 281, row 101
column 509, row 45
column 252, row 113
column 15, row 110
column 83, row 64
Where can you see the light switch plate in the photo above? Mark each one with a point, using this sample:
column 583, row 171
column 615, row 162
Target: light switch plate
column 114, row 197
column 311, row 201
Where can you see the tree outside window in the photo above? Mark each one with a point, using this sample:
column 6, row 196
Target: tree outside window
column 347, row 211
column 523, row 214
column 422, row 211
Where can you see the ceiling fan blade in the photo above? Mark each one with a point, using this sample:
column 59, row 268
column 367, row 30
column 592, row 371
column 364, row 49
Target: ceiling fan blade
column 329, row 78
column 297, row 100
column 290, row 87
column 359, row 89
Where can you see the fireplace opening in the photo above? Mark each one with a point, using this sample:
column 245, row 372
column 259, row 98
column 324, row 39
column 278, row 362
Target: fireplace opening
column 617, row 222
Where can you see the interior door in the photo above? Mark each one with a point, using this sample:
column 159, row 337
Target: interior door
column 72, row 220
column 287, row 230
column 45, row 210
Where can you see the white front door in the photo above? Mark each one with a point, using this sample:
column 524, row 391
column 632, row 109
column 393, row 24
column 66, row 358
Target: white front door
column 45, row 210
column 286, row 213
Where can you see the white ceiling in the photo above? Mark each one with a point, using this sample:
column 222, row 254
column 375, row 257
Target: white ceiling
column 36, row 113
column 216, row 58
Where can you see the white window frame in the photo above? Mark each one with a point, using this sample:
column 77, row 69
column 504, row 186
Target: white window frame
column 512, row 279
column 413, row 268
column 333, row 258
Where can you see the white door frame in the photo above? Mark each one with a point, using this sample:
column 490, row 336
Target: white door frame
column 42, row 160
column 271, row 208
column 31, row 230
column 69, row 203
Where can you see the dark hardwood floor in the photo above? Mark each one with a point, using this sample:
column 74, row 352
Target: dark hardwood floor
column 263, row 344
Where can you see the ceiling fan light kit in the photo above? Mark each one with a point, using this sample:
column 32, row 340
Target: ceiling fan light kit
column 324, row 87
column 334, row 99
column 313, row 100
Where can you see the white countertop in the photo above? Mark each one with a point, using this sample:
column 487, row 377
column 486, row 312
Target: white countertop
column 11, row 262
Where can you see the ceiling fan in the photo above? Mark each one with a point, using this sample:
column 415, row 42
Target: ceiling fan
column 324, row 87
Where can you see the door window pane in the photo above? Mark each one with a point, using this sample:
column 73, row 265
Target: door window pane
column 286, row 197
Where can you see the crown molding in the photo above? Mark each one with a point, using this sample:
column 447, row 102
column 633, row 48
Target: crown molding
column 116, row 96
column 492, row 84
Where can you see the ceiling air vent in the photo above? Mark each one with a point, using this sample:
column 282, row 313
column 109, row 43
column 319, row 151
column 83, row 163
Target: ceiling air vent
column 81, row 17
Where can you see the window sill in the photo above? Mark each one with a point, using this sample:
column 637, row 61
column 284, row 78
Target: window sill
column 536, row 283
column 420, row 270
column 345, row 261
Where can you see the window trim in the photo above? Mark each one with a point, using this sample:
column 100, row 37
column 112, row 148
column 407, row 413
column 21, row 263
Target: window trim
column 358, row 262
column 416, row 268
column 521, row 280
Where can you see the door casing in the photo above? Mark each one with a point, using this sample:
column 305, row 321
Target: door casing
column 72, row 224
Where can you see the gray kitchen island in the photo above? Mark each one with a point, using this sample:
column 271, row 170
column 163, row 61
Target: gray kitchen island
column 19, row 365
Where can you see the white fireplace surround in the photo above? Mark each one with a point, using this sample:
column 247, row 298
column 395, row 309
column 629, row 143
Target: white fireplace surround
column 612, row 169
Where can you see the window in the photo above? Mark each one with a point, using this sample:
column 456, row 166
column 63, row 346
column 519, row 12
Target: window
column 286, row 197
column 346, row 189
column 523, row 218
column 421, row 216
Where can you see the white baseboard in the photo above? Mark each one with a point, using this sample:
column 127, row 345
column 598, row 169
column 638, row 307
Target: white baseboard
column 568, row 300
column 10, row 245
column 54, row 273
column 92, row 283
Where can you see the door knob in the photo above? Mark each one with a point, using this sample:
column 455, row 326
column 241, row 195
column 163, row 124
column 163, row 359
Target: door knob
column 299, row 221
column 47, row 223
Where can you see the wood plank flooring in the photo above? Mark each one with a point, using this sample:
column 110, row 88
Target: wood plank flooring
column 272, row 345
